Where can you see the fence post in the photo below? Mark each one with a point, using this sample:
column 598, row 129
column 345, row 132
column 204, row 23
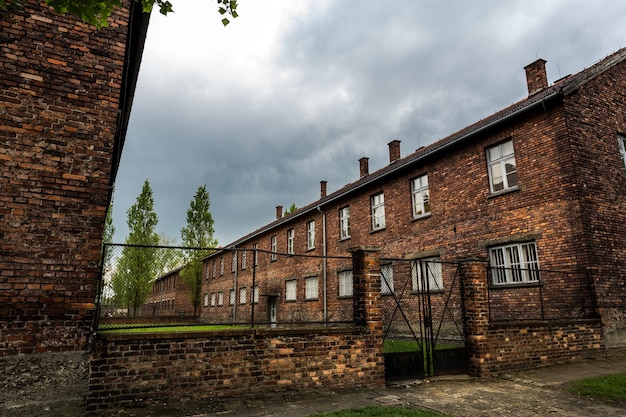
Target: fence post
column 366, row 290
column 473, row 274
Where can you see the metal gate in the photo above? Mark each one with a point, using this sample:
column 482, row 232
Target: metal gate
column 423, row 321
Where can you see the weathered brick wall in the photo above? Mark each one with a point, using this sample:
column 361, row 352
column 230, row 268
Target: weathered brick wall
column 127, row 371
column 596, row 114
column 59, row 100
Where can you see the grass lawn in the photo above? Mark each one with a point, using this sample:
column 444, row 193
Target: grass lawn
column 609, row 388
column 382, row 412
column 162, row 329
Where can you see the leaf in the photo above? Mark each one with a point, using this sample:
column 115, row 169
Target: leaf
column 225, row 22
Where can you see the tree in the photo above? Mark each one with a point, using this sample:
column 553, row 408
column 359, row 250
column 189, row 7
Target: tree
column 97, row 12
column 197, row 236
column 291, row 209
column 138, row 266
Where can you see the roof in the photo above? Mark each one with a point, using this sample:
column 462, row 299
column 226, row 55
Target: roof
column 562, row 87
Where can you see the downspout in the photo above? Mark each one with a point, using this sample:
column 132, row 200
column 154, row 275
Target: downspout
column 324, row 263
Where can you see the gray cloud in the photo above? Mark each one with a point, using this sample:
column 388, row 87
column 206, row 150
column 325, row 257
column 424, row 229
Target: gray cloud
column 262, row 124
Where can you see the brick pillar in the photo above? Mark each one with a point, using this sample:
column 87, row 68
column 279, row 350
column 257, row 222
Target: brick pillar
column 473, row 274
column 366, row 296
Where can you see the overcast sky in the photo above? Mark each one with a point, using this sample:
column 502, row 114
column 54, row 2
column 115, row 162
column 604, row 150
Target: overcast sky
column 295, row 92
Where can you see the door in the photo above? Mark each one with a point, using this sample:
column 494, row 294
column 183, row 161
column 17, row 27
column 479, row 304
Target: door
column 273, row 309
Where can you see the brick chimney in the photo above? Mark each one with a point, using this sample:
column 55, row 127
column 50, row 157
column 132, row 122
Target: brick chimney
column 536, row 76
column 394, row 150
column 279, row 212
column 323, row 188
column 364, row 166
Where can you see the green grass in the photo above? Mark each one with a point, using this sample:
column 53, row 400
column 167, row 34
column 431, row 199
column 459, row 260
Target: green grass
column 163, row 329
column 381, row 412
column 610, row 388
column 396, row 346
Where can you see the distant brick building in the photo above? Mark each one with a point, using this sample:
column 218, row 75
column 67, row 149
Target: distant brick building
column 539, row 186
column 66, row 91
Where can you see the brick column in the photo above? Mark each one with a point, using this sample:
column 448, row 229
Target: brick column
column 473, row 274
column 366, row 293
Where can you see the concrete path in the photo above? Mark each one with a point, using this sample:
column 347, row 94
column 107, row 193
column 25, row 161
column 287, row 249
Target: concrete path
column 523, row 394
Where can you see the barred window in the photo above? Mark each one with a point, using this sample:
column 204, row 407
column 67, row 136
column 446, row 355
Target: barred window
column 311, row 288
column 514, row 264
column 345, row 283
column 386, row 279
column 427, row 275
column 290, row 290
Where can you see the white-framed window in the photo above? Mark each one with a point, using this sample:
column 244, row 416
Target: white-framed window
column 514, row 264
column 420, row 196
column 206, row 299
column 222, row 266
column 214, row 268
column 255, row 294
column 290, row 236
column 207, row 272
column 273, row 248
column 232, row 297
column 311, row 288
column 213, row 298
column 255, row 246
column 427, row 275
column 502, row 167
column 386, row 279
column 244, row 256
column 378, row 211
column 233, row 266
column 345, row 283
column 344, row 223
column 220, row 298
column 243, row 295
column 310, row 234
column 290, row 290
column 621, row 141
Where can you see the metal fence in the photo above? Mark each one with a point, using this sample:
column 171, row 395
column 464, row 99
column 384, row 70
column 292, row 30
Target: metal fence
column 154, row 286
column 535, row 295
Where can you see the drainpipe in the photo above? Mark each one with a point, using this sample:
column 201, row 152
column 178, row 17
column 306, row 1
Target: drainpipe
column 324, row 262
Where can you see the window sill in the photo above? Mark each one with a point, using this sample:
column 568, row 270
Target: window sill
column 345, row 238
column 344, row 297
column 311, row 299
column 503, row 192
column 290, row 301
column 422, row 216
column 377, row 230
column 508, row 286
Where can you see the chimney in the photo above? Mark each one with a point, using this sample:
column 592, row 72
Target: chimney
column 394, row 150
column 323, row 188
column 364, row 166
column 536, row 76
column 279, row 212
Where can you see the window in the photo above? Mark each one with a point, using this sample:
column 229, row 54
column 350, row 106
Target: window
column 310, row 234
column 290, row 241
column 214, row 268
column 290, row 290
column 502, row 167
column 386, row 279
column 243, row 259
column 344, row 223
column 273, row 245
column 311, row 288
column 220, row 298
column 222, row 266
column 206, row 299
column 378, row 211
column 345, row 283
column 621, row 140
column 243, row 295
column 255, row 294
column 420, row 196
column 212, row 299
column 514, row 264
column 233, row 266
column 207, row 272
column 232, row 297
column 255, row 246
column 427, row 275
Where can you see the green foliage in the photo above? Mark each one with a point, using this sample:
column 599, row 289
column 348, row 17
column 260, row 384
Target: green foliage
column 138, row 267
column 198, row 236
column 611, row 388
column 291, row 209
column 97, row 12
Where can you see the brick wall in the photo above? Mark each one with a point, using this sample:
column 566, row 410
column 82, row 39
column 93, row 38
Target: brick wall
column 59, row 105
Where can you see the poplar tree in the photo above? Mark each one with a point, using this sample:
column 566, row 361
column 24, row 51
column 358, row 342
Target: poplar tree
column 137, row 267
column 197, row 234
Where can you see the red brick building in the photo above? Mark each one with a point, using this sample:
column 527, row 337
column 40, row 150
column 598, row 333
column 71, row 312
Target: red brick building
column 66, row 91
column 537, row 191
